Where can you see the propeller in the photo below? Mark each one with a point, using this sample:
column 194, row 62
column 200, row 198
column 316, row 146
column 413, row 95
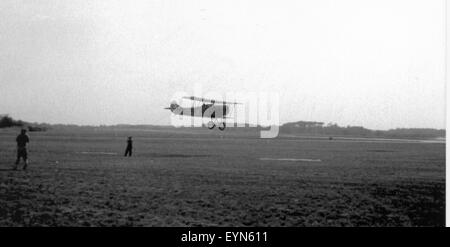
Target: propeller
column 173, row 106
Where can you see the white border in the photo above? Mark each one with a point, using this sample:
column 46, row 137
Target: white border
column 446, row 70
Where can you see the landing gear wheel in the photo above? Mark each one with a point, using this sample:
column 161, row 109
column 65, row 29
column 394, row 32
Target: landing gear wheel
column 211, row 125
column 222, row 126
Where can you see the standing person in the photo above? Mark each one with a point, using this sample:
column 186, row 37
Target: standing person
column 129, row 149
column 22, row 140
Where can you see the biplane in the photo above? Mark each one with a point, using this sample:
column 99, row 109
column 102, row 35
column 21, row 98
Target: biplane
column 215, row 110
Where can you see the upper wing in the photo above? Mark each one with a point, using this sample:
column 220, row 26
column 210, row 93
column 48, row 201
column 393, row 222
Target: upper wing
column 211, row 100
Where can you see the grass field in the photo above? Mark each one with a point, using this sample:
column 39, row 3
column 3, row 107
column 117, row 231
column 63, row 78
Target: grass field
column 178, row 178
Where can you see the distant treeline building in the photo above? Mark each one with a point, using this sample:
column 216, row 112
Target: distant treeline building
column 332, row 129
column 7, row 121
column 306, row 124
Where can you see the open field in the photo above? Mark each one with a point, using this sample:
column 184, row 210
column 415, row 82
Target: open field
column 178, row 178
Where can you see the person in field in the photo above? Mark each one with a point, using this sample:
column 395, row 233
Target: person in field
column 22, row 140
column 129, row 150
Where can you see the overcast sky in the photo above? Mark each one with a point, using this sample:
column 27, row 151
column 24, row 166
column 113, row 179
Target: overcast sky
column 378, row 64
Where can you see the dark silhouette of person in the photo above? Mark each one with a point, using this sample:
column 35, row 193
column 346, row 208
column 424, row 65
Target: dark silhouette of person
column 129, row 149
column 22, row 140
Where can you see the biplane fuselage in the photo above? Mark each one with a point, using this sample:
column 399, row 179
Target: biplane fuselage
column 204, row 111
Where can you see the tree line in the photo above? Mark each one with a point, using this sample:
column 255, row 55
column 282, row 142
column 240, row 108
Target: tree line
column 7, row 121
column 332, row 129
